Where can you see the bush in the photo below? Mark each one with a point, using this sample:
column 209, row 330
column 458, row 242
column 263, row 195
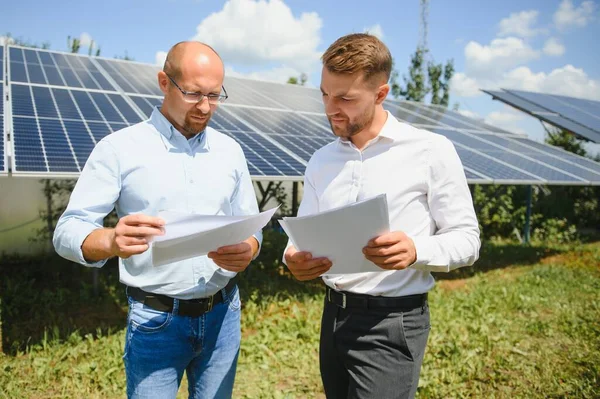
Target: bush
column 555, row 231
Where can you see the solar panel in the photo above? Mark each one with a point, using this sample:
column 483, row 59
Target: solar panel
column 55, row 129
column 3, row 162
column 132, row 77
column 512, row 158
column 57, row 69
column 60, row 105
column 528, row 102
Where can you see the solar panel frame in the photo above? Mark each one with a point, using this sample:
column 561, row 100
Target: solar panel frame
column 544, row 114
column 3, row 118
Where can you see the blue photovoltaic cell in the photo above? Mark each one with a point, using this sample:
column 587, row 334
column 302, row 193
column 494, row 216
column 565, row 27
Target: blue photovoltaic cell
column 240, row 92
column 286, row 96
column 146, row 104
column 585, row 162
column 303, row 146
column 1, row 63
column 64, row 125
column 56, row 69
column 564, row 106
column 543, row 154
column 491, row 168
column 501, row 154
column 546, row 115
column 472, row 176
column 279, row 122
column 2, row 164
column 133, row 77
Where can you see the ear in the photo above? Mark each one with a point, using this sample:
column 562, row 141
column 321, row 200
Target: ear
column 382, row 93
column 163, row 82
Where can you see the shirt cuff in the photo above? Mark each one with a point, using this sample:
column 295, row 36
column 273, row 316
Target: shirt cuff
column 426, row 255
column 74, row 243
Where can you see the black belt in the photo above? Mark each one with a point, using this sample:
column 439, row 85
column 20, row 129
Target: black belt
column 401, row 303
column 187, row 307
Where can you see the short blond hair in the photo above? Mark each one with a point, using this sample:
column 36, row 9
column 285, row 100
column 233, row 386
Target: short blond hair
column 359, row 52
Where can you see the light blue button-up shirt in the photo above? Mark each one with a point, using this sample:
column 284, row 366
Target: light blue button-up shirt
column 149, row 167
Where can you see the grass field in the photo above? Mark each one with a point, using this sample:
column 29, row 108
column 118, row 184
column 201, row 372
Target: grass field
column 522, row 323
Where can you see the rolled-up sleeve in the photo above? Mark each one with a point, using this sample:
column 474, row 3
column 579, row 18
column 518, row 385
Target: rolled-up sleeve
column 456, row 242
column 93, row 197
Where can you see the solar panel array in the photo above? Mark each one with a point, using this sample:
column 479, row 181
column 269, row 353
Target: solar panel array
column 3, row 163
column 62, row 104
column 577, row 115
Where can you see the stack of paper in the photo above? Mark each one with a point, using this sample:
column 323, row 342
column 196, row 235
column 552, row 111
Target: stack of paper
column 340, row 234
column 187, row 235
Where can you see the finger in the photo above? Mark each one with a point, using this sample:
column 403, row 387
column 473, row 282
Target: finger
column 386, row 239
column 307, row 265
column 386, row 262
column 246, row 256
column 314, row 273
column 132, row 241
column 311, row 268
column 140, row 231
column 232, row 268
column 128, row 251
column 385, row 250
column 300, row 256
column 234, row 249
column 138, row 218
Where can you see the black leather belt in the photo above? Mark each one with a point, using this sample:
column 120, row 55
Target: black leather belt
column 187, row 307
column 400, row 303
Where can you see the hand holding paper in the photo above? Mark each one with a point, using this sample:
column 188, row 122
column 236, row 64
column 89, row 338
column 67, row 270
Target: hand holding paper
column 187, row 236
column 339, row 235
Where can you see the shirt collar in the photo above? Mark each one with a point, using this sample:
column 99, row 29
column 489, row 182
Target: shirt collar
column 165, row 128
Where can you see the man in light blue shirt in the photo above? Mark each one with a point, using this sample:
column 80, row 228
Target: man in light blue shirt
column 184, row 316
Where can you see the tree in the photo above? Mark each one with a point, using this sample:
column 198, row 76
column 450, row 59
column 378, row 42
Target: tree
column 293, row 80
column 417, row 85
column 567, row 140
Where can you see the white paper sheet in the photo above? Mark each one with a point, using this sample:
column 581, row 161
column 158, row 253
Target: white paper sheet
column 187, row 235
column 340, row 234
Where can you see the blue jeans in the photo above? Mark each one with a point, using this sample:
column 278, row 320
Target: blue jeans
column 160, row 346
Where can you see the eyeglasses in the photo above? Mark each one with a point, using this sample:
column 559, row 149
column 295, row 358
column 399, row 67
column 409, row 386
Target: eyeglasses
column 193, row 98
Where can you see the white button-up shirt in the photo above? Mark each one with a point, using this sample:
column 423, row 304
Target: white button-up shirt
column 427, row 195
column 149, row 167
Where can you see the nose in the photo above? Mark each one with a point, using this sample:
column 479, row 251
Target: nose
column 330, row 107
column 203, row 105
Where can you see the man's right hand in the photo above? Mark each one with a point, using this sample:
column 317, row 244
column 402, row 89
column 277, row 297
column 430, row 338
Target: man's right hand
column 303, row 266
column 131, row 235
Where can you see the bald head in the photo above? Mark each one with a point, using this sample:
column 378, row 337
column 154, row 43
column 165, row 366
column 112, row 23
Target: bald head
column 189, row 55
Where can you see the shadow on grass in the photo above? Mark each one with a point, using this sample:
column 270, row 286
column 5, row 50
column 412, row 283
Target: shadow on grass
column 498, row 256
column 53, row 297
column 50, row 298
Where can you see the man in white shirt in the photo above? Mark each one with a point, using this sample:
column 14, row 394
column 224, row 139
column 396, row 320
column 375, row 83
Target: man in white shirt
column 375, row 325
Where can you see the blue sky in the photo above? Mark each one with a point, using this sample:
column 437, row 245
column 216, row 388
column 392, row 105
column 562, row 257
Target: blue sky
column 538, row 45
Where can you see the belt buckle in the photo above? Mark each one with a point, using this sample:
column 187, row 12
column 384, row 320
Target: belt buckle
column 210, row 303
column 343, row 300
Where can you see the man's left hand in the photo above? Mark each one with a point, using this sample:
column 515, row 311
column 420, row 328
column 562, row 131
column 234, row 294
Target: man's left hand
column 392, row 251
column 237, row 257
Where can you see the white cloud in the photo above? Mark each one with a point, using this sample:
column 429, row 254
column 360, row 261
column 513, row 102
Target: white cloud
column 507, row 119
column 376, row 31
column 279, row 74
column 160, row 57
column 470, row 114
column 553, row 47
column 567, row 15
column 248, row 32
column 498, row 56
column 520, row 24
column 464, row 86
column 568, row 81
column 85, row 39
column 6, row 40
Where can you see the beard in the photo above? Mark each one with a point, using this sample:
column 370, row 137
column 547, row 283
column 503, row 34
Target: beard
column 352, row 127
column 194, row 126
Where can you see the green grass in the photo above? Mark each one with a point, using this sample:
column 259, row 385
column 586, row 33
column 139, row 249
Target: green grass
column 522, row 324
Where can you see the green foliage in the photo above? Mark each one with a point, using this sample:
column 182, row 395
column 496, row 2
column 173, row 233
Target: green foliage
column 417, row 85
column 19, row 41
column 301, row 80
column 555, row 231
column 566, row 140
column 501, row 332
